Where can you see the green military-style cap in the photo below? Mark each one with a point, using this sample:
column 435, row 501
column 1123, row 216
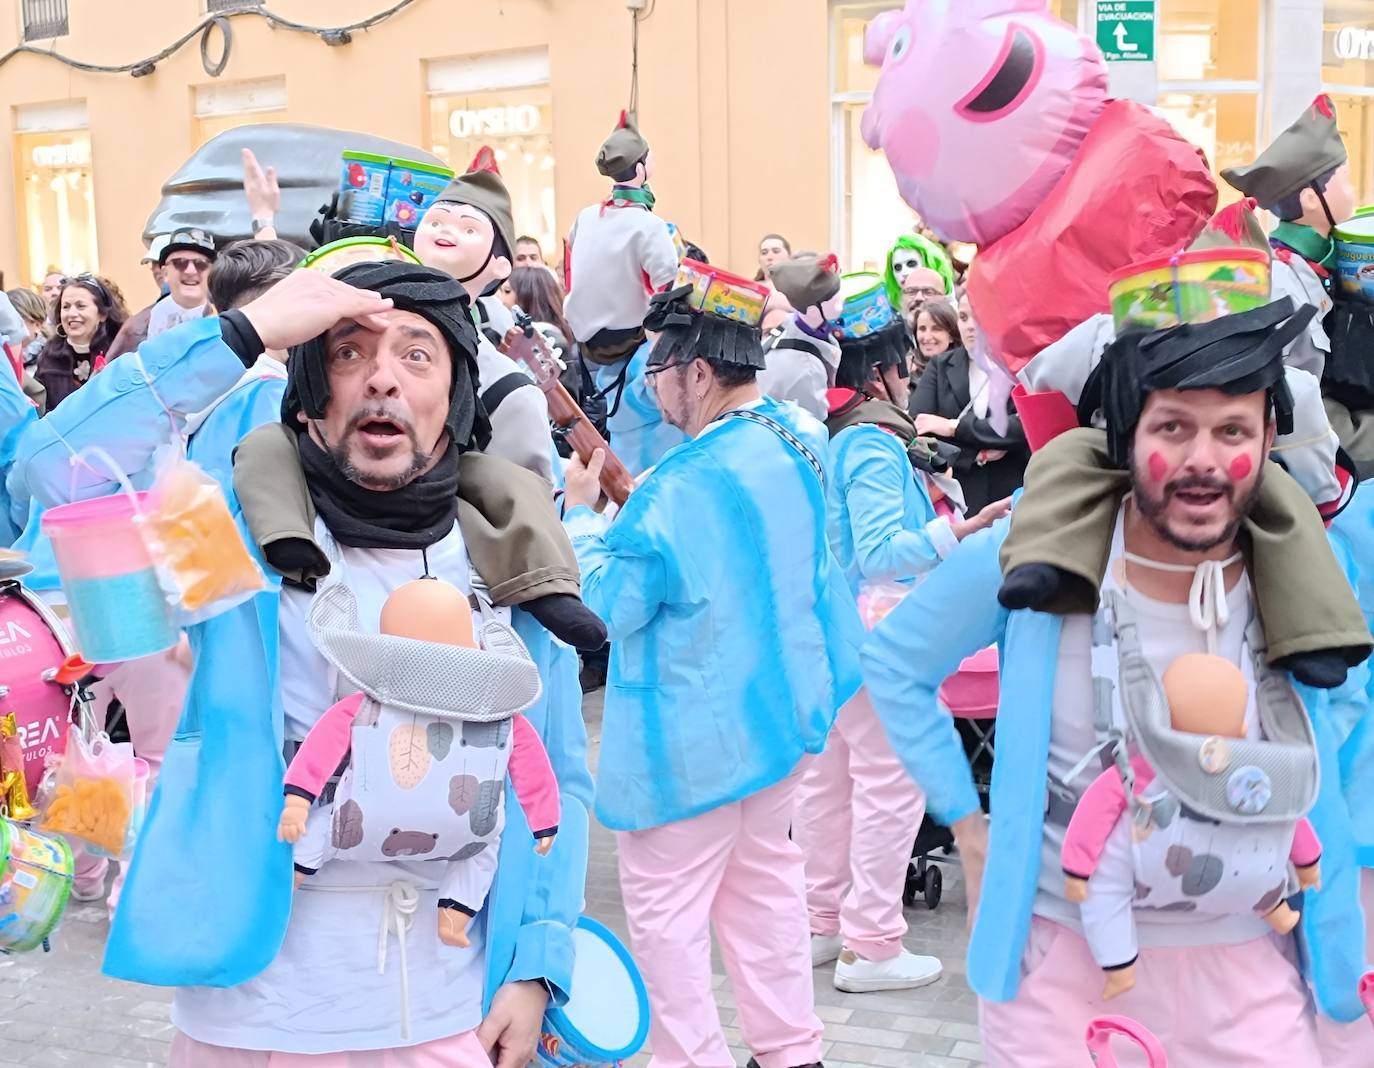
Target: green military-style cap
column 623, row 149
column 1300, row 155
column 806, row 280
column 483, row 189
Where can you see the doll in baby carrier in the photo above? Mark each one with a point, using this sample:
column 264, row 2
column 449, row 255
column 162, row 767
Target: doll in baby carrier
column 428, row 740
column 1206, row 700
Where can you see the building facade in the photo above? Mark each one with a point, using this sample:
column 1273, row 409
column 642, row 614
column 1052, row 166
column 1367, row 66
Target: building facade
column 752, row 106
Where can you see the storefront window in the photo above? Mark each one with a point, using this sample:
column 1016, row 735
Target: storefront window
column 1348, row 75
column 518, row 125
column 874, row 208
column 1209, row 40
column 58, row 216
column 1223, row 125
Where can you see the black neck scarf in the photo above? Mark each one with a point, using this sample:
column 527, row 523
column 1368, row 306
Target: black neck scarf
column 415, row 516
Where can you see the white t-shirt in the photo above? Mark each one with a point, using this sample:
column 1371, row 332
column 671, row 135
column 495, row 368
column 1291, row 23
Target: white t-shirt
column 167, row 313
column 1166, row 633
column 323, row 993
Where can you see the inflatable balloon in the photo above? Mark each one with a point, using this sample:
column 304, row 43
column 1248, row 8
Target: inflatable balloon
column 1059, row 186
column 980, row 108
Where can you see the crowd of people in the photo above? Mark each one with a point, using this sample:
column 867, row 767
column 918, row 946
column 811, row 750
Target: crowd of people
column 779, row 518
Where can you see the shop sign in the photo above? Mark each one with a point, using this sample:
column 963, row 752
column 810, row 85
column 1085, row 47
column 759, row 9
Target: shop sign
column 1353, row 42
column 70, row 154
column 495, row 122
column 1126, row 30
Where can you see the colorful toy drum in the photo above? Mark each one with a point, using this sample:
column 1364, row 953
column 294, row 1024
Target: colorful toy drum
column 34, row 651
column 1190, row 287
column 118, row 608
column 866, row 306
column 35, row 881
column 362, row 188
column 722, row 294
column 334, row 257
column 1355, row 256
column 1102, row 1030
column 606, row 1018
column 411, row 188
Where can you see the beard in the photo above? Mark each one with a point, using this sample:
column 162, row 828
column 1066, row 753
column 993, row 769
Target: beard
column 342, row 454
column 1154, row 508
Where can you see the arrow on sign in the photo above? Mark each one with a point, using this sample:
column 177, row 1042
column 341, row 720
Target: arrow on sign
column 1123, row 45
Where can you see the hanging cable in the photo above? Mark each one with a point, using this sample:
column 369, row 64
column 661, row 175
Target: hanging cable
column 636, row 17
column 331, row 35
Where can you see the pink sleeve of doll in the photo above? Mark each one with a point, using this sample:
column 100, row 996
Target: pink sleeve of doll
column 1307, row 849
column 1097, row 813
column 323, row 749
column 533, row 778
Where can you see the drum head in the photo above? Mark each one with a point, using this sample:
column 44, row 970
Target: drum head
column 607, row 1014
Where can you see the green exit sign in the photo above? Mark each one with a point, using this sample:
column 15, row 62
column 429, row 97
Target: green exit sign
column 1126, row 30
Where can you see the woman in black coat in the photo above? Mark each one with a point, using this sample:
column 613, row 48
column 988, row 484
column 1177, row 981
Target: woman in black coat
column 950, row 401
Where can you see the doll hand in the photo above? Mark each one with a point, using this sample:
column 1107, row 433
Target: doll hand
column 292, row 823
column 453, row 928
column 1310, row 877
column 543, row 845
column 1075, row 889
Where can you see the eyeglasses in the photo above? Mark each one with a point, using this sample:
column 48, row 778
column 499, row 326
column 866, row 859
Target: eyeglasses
column 184, row 264
column 924, row 292
column 651, row 373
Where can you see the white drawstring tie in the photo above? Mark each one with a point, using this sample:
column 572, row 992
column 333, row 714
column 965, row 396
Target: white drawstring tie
column 1207, row 607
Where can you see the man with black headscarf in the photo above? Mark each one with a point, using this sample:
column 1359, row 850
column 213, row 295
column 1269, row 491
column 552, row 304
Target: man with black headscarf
column 1190, row 414
column 382, row 405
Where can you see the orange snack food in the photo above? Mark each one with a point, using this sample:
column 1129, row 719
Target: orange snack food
column 95, row 810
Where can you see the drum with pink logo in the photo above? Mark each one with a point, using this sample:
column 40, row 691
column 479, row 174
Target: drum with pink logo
column 1103, row 1029
column 36, row 667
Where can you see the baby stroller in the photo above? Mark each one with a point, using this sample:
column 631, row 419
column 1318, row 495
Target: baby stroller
column 970, row 695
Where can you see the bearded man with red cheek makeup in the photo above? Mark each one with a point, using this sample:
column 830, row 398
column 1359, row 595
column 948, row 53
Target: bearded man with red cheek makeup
column 1190, row 415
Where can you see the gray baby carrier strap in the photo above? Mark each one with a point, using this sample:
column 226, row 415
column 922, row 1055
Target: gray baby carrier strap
column 1272, row 779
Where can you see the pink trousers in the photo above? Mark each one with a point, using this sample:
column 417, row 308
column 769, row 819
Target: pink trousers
column 1352, row 1045
column 733, row 869
column 1242, row 1006
column 460, row 1051
column 152, row 690
column 857, row 815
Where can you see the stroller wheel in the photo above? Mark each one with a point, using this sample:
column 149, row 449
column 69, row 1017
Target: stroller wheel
column 934, row 884
column 915, row 884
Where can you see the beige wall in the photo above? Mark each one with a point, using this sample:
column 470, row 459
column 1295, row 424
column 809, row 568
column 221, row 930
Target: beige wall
column 733, row 97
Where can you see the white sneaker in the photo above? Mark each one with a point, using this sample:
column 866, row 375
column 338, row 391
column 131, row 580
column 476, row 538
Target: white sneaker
column 905, row 971
column 825, row 948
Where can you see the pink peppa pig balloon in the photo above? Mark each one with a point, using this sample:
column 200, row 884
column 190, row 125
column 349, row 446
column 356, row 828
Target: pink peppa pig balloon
column 980, row 108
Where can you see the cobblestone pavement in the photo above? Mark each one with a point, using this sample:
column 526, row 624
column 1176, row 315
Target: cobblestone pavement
column 57, row 1009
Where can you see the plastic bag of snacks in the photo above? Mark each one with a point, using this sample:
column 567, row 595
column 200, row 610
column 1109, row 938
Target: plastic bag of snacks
column 200, row 555
column 96, row 792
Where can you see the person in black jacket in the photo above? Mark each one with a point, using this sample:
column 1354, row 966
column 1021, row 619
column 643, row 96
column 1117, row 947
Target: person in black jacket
column 951, row 402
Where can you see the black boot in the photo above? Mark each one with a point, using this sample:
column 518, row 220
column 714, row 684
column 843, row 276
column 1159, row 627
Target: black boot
column 1324, row 669
column 569, row 620
column 814, row 1064
column 1030, row 586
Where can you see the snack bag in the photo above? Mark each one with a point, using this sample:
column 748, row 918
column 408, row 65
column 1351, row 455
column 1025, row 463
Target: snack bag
column 96, row 793
column 193, row 539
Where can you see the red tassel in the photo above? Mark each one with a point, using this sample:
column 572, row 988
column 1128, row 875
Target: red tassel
column 485, row 160
column 624, row 121
column 1324, row 106
column 831, row 263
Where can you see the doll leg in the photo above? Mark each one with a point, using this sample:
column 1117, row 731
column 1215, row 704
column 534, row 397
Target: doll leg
column 1109, row 923
column 463, row 890
column 309, row 854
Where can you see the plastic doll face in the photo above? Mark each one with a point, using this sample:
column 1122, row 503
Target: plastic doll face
column 429, row 610
column 1207, row 695
column 980, row 108
column 458, row 238
column 388, row 400
column 1197, row 460
column 1340, row 195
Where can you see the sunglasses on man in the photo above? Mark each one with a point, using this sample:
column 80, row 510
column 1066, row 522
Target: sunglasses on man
column 186, row 264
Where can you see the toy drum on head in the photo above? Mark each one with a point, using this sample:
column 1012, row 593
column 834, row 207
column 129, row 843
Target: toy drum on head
column 606, row 1018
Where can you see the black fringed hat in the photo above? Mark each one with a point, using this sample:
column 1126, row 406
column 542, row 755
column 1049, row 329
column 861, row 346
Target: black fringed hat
column 890, row 346
column 1236, row 354
column 686, row 333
